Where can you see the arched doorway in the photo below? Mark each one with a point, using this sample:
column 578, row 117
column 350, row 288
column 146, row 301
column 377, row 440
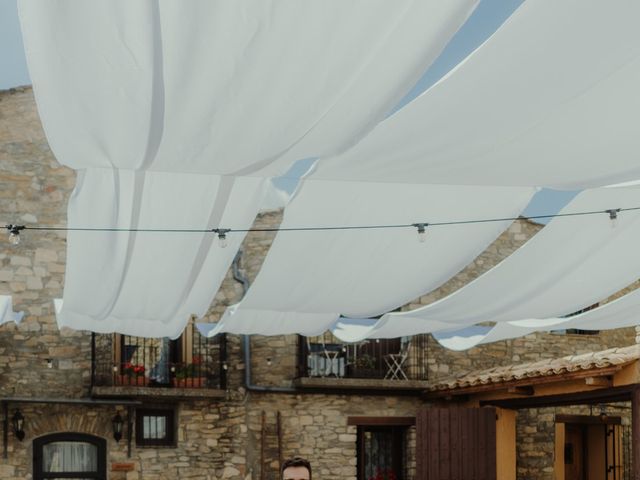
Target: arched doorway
column 69, row 455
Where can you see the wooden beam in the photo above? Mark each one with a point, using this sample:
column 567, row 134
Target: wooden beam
column 383, row 421
column 588, row 419
column 589, row 397
column 635, row 433
column 599, row 381
column 524, row 390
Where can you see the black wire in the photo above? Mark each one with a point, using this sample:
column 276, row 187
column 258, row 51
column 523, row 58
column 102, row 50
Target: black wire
column 222, row 231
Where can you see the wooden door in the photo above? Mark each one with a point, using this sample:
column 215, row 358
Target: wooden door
column 574, row 452
column 456, row 444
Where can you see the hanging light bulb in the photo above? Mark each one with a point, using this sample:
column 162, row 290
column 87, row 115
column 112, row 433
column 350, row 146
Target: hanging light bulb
column 422, row 232
column 222, row 237
column 613, row 216
column 14, row 233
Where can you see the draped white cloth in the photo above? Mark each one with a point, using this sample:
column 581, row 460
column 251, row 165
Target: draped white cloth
column 574, row 262
column 163, row 107
column 6, row 311
column 223, row 87
column 622, row 312
column 549, row 100
column 148, row 283
column 309, row 278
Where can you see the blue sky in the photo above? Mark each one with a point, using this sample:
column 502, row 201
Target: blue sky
column 489, row 15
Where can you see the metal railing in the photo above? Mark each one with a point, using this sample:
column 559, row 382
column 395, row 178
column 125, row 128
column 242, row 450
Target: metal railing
column 395, row 359
column 191, row 361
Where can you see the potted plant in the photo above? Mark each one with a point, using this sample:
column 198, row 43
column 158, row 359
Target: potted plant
column 189, row 375
column 132, row 374
column 365, row 366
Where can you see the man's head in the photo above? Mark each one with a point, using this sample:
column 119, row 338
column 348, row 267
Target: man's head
column 296, row 468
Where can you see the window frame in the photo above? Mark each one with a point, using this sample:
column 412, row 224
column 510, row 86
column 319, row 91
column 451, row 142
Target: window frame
column 397, row 426
column 170, row 416
column 38, row 451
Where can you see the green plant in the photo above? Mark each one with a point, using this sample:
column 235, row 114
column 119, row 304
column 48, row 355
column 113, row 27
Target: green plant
column 189, row 370
column 365, row 362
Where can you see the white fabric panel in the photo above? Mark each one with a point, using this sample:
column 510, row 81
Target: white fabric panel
column 6, row 311
column 572, row 263
column 223, row 87
column 148, row 283
column 526, row 108
column 622, row 312
column 202, row 87
column 310, row 278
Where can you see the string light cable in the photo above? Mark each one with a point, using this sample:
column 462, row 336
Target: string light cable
column 222, row 233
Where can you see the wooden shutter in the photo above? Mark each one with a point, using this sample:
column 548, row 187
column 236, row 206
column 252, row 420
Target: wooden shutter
column 456, row 444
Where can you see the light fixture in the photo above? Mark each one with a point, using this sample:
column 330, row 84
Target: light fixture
column 422, row 233
column 603, row 412
column 613, row 216
column 49, row 363
column 17, row 422
column 225, row 366
column 14, row 233
column 222, row 236
column 114, row 368
column 117, row 424
column 269, row 361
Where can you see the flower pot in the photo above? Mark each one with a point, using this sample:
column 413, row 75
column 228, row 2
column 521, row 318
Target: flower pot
column 126, row 380
column 189, row 382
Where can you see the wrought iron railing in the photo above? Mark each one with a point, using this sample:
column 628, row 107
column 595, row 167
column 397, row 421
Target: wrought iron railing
column 191, row 361
column 395, row 359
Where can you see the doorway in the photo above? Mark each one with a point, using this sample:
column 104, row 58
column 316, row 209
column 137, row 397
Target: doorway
column 592, row 448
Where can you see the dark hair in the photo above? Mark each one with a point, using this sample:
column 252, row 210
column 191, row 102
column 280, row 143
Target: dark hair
column 295, row 462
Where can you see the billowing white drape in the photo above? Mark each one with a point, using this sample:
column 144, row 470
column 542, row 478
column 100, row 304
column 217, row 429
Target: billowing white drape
column 622, row 312
column 309, row 278
column 163, row 107
column 572, row 263
column 148, row 283
column 550, row 100
column 6, row 311
column 223, row 87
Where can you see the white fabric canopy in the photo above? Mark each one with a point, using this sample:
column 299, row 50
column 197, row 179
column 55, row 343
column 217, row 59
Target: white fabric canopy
column 572, row 263
column 622, row 312
column 6, row 311
column 223, row 87
column 148, row 283
column 551, row 100
column 309, row 278
column 164, row 106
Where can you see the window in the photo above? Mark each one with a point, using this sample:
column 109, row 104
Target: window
column 380, row 452
column 69, row 455
column 155, row 427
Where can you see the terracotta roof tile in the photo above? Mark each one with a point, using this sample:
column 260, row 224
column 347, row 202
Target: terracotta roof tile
column 542, row 368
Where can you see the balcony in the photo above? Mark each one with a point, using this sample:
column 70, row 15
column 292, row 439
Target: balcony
column 191, row 365
column 325, row 362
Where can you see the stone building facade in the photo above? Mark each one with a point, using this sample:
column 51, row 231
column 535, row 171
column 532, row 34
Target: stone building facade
column 241, row 431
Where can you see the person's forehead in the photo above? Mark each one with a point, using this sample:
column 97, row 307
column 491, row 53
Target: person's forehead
column 295, row 473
